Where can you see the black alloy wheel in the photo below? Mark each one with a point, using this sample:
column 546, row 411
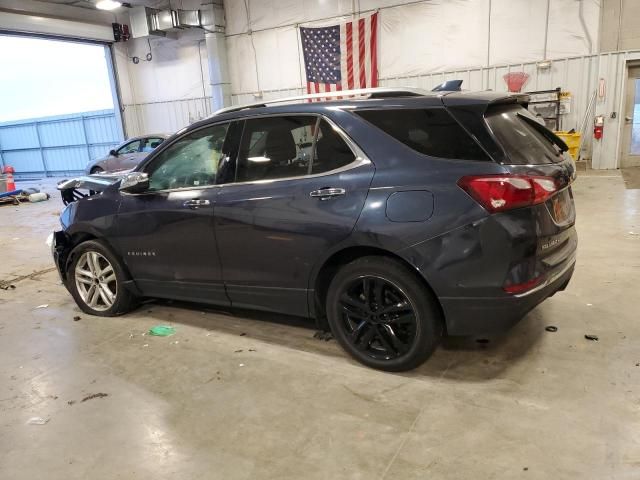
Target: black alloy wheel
column 383, row 314
column 378, row 317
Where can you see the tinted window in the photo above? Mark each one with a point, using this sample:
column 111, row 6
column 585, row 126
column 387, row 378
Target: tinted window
column 331, row 150
column 275, row 147
column 522, row 141
column 432, row 132
column 131, row 147
column 191, row 161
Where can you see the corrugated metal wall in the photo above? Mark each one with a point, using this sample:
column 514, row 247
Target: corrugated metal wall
column 60, row 144
column 165, row 117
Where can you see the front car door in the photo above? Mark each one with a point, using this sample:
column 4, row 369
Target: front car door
column 124, row 155
column 147, row 145
column 166, row 234
column 299, row 187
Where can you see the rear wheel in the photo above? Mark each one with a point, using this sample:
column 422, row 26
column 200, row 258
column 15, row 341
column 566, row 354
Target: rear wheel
column 96, row 279
column 381, row 314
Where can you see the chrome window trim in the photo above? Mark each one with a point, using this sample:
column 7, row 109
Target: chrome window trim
column 360, row 156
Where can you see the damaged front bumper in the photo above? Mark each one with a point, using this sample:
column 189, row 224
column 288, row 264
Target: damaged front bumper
column 60, row 244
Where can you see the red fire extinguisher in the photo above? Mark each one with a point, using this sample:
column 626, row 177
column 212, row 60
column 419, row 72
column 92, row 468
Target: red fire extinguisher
column 598, row 127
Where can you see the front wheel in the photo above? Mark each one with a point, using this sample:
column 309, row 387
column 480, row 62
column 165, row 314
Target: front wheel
column 96, row 279
column 382, row 314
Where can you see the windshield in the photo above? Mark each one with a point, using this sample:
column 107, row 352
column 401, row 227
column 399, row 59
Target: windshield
column 524, row 142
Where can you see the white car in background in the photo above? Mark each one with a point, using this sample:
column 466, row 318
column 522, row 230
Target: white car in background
column 127, row 155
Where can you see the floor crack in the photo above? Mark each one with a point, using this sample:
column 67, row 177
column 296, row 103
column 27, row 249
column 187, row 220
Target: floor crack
column 5, row 283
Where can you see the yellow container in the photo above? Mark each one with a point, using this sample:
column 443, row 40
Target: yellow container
column 573, row 142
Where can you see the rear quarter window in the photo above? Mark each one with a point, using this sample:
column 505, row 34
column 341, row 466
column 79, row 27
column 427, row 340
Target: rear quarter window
column 430, row 131
column 521, row 141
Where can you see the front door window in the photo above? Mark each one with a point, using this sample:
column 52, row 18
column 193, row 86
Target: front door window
column 131, row 147
column 192, row 161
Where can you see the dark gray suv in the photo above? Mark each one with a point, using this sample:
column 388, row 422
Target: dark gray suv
column 393, row 217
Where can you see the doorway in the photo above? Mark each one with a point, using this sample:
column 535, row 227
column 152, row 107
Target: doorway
column 631, row 128
column 60, row 107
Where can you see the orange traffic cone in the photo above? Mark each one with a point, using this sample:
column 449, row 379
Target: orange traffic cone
column 11, row 184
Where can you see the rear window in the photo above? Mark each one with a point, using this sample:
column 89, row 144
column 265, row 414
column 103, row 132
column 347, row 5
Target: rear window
column 523, row 142
column 431, row 132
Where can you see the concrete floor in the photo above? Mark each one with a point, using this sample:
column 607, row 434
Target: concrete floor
column 244, row 396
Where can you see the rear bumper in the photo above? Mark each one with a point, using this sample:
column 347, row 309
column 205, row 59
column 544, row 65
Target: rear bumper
column 470, row 316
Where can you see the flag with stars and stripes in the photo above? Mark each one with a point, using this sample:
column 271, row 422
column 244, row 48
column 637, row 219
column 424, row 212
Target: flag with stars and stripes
column 341, row 57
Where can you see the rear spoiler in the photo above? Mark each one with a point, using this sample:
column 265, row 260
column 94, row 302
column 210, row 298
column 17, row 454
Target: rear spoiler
column 519, row 98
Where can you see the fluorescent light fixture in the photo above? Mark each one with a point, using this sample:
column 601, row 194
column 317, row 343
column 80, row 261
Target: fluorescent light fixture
column 543, row 65
column 107, row 4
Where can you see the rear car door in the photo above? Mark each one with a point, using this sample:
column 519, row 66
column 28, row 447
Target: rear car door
column 298, row 189
column 165, row 234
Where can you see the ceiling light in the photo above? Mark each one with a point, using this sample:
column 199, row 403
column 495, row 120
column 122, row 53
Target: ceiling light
column 107, row 4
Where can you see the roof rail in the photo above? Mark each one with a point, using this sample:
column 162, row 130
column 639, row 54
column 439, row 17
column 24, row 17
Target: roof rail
column 379, row 92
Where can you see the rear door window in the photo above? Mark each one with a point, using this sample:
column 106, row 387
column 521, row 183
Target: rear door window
column 430, row 131
column 150, row 144
column 275, row 147
column 331, row 152
column 289, row 147
column 522, row 141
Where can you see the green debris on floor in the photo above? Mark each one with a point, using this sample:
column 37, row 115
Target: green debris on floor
column 162, row 331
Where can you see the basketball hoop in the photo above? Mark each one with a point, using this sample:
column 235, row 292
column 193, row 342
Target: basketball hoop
column 515, row 80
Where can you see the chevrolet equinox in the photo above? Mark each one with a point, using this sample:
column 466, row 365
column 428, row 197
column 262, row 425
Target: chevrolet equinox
column 392, row 216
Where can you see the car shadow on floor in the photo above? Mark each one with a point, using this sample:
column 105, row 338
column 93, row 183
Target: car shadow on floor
column 472, row 358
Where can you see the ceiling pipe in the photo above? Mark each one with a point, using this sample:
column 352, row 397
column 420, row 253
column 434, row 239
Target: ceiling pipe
column 584, row 26
column 213, row 23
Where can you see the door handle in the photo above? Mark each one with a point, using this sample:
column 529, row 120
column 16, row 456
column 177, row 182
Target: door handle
column 628, row 118
column 327, row 193
column 196, row 203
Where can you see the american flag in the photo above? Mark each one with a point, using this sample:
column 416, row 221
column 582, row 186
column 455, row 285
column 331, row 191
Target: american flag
column 341, row 57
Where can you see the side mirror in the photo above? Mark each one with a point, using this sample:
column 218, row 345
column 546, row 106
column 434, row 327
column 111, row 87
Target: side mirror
column 134, row 182
column 113, row 153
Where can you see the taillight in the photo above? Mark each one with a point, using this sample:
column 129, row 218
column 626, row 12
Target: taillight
column 524, row 286
column 497, row 193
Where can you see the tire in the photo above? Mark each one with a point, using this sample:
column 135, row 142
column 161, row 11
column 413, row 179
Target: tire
column 81, row 277
column 95, row 170
column 396, row 326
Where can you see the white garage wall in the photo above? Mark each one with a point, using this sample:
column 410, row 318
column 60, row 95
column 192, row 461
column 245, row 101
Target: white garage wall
column 421, row 44
column 170, row 91
column 415, row 37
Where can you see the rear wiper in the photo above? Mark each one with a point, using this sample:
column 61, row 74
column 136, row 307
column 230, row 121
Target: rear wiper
column 546, row 133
